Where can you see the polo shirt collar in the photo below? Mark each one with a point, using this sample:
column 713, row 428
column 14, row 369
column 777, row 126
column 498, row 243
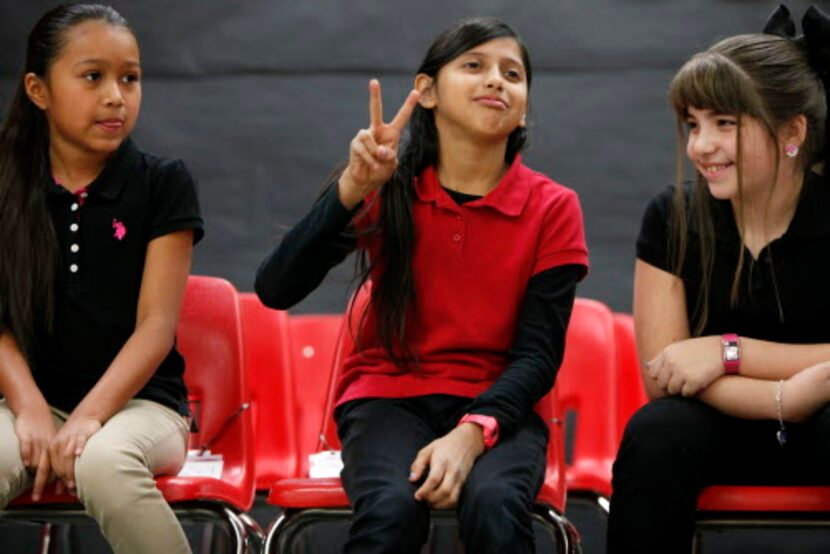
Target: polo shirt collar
column 109, row 183
column 508, row 197
column 811, row 218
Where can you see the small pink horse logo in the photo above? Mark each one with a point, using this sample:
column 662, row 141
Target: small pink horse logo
column 119, row 229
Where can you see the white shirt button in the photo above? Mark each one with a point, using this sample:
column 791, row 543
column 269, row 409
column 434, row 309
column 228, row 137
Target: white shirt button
column 84, row 194
column 74, row 227
column 73, row 268
column 74, row 248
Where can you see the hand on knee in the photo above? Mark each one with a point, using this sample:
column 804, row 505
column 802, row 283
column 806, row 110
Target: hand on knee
column 449, row 461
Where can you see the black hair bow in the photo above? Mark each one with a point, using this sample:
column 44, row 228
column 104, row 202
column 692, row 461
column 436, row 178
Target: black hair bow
column 816, row 44
column 816, row 38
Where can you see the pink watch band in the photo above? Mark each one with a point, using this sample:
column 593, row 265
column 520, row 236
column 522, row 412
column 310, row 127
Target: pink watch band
column 731, row 353
column 489, row 425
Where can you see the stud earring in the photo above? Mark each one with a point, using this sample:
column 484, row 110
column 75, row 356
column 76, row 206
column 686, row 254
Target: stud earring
column 791, row 150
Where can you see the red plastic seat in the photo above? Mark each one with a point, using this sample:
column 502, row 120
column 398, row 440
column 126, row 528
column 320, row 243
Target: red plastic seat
column 722, row 498
column 304, row 499
column 723, row 506
column 209, row 337
column 313, row 340
column 268, row 366
column 588, row 393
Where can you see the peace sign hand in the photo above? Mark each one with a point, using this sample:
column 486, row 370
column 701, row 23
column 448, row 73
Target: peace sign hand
column 373, row 152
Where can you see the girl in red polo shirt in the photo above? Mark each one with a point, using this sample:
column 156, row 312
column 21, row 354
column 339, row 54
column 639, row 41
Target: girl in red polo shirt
column 96, row 240
column 474, row 261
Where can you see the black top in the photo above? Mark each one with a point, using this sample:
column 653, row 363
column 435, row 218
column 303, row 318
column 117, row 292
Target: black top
column 324, row 237
column 102, row 236
column 784, row 294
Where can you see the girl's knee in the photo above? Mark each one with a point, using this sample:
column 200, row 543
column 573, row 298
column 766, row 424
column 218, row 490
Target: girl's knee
column 103, row 469
column 493, row 496
column 13, row 474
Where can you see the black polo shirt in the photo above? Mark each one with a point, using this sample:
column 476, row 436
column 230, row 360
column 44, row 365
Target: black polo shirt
column 103, row 232
column 784, row 294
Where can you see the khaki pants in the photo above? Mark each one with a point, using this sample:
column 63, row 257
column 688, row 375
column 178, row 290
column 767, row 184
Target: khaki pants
column 114, row 475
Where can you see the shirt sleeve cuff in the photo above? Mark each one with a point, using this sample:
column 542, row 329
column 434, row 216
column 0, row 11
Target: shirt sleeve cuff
column 489, row 425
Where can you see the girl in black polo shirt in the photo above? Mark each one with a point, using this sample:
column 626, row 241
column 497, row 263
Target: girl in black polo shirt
column 96, row 240
column 730, row 295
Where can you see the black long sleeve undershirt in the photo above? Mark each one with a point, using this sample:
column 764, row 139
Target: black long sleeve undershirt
column 323, row 238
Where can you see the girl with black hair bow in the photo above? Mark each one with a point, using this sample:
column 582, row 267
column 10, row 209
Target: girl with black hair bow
column 730, row 290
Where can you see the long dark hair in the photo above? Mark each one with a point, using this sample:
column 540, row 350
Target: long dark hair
column 28, row 244
column 393, row 291
column 761, row 76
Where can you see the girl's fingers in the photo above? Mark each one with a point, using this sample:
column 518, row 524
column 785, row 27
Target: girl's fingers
column 80, row 444
column 26, row 448
column 41, row 476
column 366, row 139
column 359, row 150
column 419, row 465
column 436, row 475
column 403, row 115
column 375, row 106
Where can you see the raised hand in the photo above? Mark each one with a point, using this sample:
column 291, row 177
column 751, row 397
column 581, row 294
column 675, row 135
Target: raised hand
column 373, row 152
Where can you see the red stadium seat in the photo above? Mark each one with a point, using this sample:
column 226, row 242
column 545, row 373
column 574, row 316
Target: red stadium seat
column 210, row 338
column 305, row 500
column 268, row 366
column 313, row 344
column 588, row 393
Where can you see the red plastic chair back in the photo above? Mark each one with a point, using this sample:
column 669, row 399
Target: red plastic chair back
column 268, row 366
column 313, row 341
column 587, row 390
column 209, row 336
column 345, row 345
column 553, row 491
column 631, row 394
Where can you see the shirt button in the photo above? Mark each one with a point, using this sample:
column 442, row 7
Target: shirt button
column 84, row 195
column 74, row 248
column 456, row 237
column 74, row 227
column 73, row 268
column 74, row 207
column 458, row 217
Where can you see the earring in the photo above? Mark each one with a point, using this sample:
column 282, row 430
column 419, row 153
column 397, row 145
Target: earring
column 791, row 150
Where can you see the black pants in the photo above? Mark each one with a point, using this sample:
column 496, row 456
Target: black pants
column 674, row 447
column 380, row 438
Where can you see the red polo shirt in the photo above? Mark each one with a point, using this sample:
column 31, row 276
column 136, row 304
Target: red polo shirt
column 471, row 265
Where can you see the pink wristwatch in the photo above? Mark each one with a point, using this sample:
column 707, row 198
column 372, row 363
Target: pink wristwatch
column 489, row 425
column 731, row 353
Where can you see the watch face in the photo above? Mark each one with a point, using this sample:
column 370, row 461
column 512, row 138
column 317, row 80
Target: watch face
column 731, row 354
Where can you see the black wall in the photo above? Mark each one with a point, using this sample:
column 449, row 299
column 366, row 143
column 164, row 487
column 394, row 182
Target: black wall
column 262, row 97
